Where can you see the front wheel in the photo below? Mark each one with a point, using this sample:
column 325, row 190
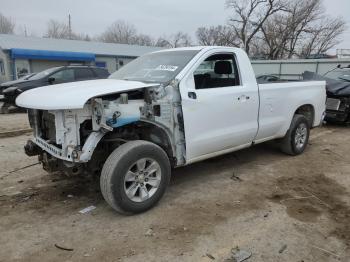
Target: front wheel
column 297, row 137
column 135, row 176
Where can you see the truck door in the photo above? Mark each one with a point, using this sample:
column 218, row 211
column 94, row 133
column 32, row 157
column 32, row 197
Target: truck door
column 220, row 112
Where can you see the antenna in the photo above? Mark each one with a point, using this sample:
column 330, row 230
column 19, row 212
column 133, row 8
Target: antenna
column 69, row 26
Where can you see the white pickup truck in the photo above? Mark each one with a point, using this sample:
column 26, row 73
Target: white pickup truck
column 163, row 110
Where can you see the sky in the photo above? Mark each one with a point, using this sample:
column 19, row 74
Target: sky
column 153, row 17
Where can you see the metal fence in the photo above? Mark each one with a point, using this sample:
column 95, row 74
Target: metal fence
column 294, row 67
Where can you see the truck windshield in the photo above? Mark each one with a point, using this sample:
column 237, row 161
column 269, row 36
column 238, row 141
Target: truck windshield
column 160, row 67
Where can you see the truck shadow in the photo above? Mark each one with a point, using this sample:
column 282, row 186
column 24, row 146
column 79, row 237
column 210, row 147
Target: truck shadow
column 78, row 191
column 226, row 163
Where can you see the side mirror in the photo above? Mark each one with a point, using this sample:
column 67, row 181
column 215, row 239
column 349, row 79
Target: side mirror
column 51, row 80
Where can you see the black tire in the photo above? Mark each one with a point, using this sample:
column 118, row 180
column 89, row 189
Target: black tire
column 288, row 144
column 116, row 167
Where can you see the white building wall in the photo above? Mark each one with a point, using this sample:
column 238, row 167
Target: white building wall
column 22, row 67
column 7, row 76
column 111, row 64
column 123, row 61
column 41, row 65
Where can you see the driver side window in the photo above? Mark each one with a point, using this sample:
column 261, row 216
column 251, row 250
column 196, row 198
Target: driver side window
column 219, row 70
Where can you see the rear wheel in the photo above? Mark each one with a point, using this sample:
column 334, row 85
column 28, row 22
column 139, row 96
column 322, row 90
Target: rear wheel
column 135, row 176
column 297, row 137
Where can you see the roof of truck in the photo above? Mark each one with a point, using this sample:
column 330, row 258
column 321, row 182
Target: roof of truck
column 196, row 48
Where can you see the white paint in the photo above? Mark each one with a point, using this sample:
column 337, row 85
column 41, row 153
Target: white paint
column 219, row 119
column 279, row 101
column 216, row 122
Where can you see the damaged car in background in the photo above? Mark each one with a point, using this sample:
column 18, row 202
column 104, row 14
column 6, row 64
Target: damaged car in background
column 51, row 76
column 338, row 93
column 164, row 110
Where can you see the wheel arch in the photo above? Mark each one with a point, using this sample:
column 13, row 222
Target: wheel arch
column 308, row 111
column 159, row 135
column 148, row 131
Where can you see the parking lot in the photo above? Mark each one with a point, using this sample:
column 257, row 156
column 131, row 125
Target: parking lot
column 277, row 207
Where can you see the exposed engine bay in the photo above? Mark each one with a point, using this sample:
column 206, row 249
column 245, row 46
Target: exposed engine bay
column 80, row 140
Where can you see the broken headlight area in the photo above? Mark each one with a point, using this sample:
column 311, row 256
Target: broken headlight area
column 338, row 109
column 73, row 135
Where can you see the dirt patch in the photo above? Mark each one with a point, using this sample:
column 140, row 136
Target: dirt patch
column 302, row 211
column 209, row 208
column 310, row 196
column 51, row 191
column 10, row 122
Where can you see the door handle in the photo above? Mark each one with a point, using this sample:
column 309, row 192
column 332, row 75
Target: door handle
column 192, row 95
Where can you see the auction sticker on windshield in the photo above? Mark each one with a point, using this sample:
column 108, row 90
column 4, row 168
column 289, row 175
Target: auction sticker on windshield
column 167, row 68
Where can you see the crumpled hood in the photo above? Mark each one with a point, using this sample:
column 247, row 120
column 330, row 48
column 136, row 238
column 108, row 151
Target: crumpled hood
column 334, row 87
column 74, row 95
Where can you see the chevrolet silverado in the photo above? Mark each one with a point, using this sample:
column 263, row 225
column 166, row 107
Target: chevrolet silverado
column 164, row 110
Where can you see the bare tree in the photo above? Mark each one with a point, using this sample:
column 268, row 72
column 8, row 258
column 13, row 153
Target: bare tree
column 300, row 17
column 123, row 32
column 323, row 36
column 120, row 32
column 217, row 35
column 60, row 30
column 144, row 40
column 56, row 29
column 303, row 28
column 249, row 16
column 179, row 39
column 7, row 26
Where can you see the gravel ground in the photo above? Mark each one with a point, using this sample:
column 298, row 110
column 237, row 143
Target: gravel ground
column 277, row 207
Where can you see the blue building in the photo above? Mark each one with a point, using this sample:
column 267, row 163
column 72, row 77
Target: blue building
column 20, row 55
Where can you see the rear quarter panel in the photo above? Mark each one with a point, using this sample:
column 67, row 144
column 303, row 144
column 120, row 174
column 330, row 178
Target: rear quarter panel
column 279, row 102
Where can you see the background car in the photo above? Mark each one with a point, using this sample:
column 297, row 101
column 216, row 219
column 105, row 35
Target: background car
column 338, row 98
column 338, row 93
column 267, row 78
column 11, row 83
column 55, row 75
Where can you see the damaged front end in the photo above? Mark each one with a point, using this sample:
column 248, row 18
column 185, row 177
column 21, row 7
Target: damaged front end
column 60, row 140
column 79, row 140
column 338, row 97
